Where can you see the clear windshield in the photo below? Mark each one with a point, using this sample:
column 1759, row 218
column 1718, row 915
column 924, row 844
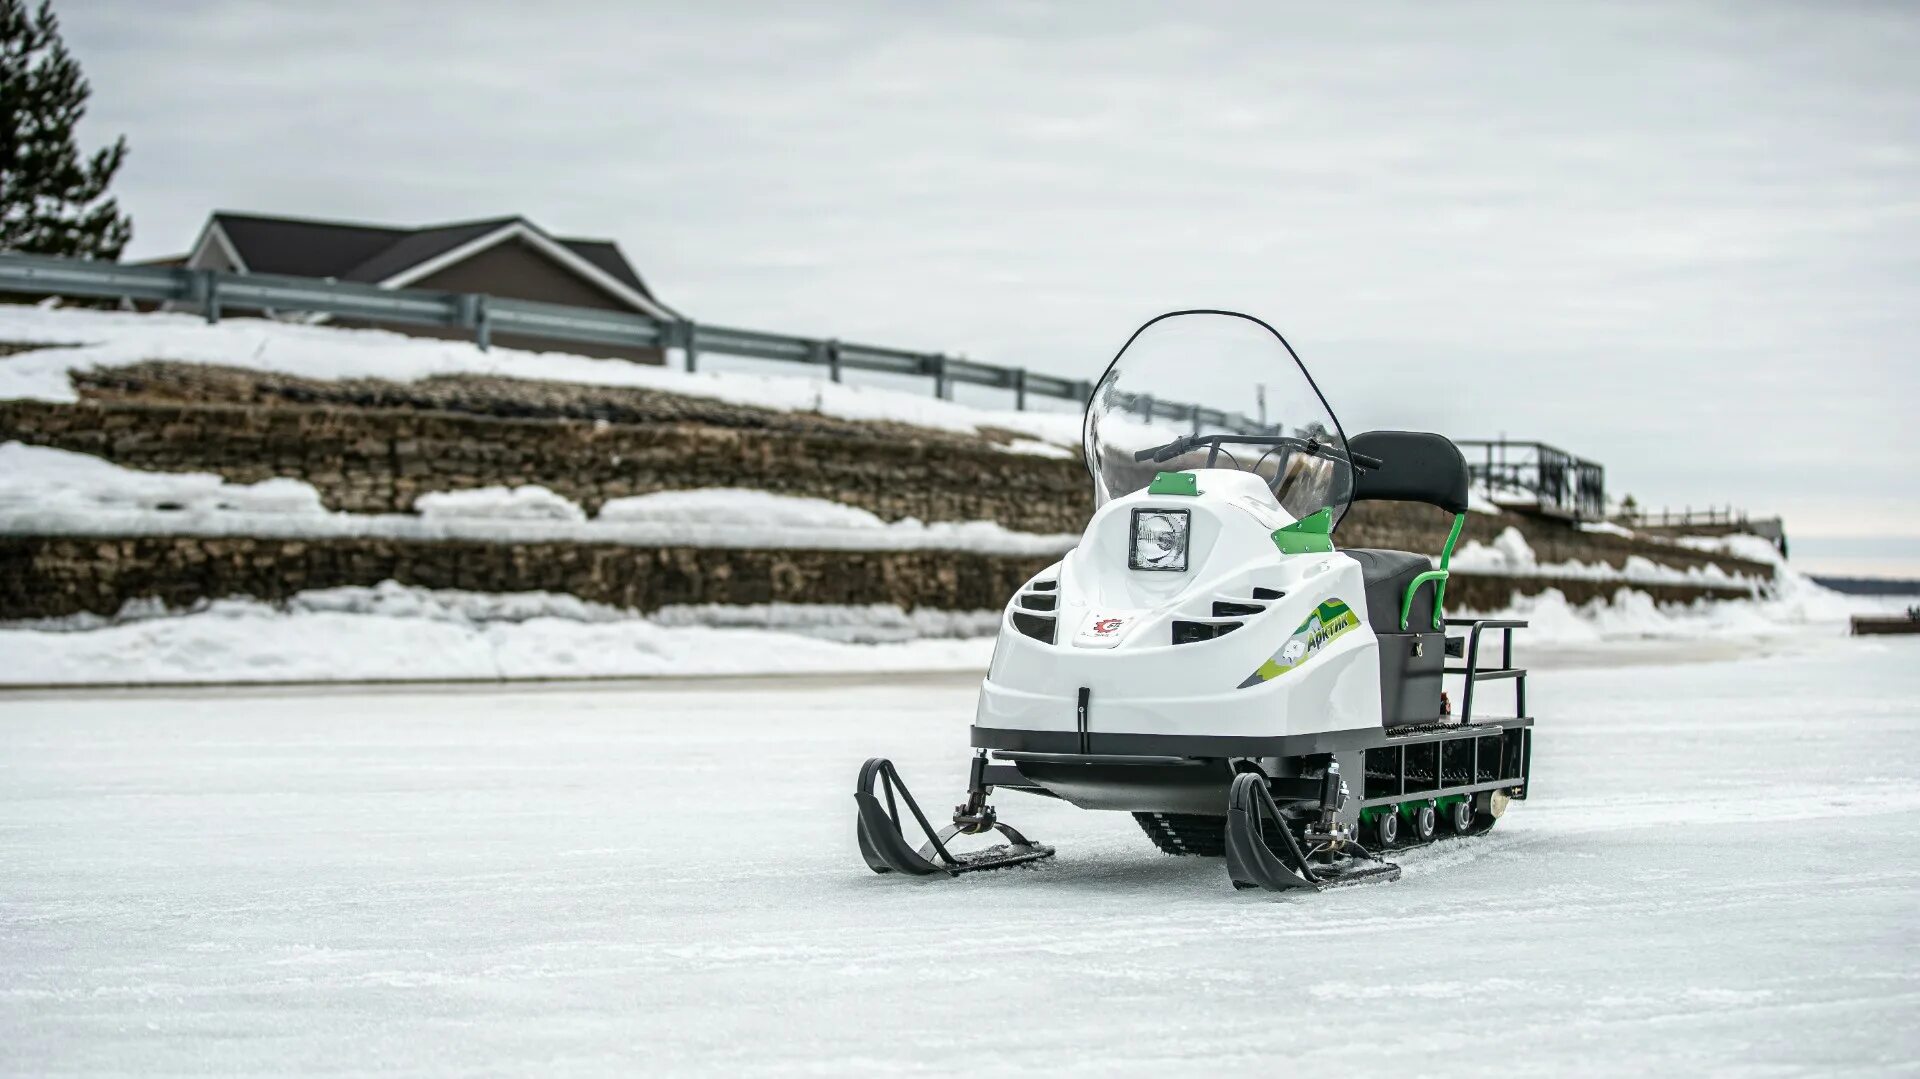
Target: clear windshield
column 1199, row 389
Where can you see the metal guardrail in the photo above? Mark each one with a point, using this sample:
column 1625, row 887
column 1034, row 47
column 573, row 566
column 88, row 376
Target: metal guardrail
column 1725, row 516
column 1714, row 519
column 1151, row 408
column 1550, row 480
column 214, row 292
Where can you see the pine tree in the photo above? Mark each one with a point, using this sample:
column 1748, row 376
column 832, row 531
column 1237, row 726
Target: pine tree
column 51, row 202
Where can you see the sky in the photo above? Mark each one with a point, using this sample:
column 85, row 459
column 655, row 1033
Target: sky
column 1682, row 239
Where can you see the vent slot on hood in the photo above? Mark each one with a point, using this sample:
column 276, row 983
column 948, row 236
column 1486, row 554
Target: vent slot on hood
column 1191, row 632
column 1226, row 609
column 1039, row 627
column 1035, row 602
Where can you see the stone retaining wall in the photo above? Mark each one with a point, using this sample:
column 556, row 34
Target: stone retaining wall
column 371, row 446
column 172, row 383
column 379, row 460
column 54, row 576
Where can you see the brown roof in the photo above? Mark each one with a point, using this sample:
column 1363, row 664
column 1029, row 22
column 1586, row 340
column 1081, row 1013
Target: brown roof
column 347, row 251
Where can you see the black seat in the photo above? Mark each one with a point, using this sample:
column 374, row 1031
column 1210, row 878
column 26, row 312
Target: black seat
column 1414, row 467
column 1387, row 575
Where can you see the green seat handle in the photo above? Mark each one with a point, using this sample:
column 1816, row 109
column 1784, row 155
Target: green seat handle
column 1437, row 576
column 1439, row 579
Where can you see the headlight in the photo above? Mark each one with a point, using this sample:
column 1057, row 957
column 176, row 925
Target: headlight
column 1159, row 540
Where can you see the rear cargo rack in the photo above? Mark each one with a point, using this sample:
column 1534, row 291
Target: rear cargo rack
column 1474, row 673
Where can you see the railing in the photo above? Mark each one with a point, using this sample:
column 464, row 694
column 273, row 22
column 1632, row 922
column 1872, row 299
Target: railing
column 1711, row 517
column 1537, row 476
column 1714, row 520
column 213, row 292
column 1150, row 408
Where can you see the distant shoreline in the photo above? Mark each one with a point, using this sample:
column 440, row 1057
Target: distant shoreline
column 1870, row 586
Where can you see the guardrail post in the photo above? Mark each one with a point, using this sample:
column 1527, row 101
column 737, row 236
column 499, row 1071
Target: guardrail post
column 207, row 286
column 1019, row 389
column 473, row 314
column 686, row 344
column 938, row 365
column 833, row 360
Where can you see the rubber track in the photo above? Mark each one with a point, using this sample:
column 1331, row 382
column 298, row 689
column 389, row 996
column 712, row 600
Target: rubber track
column 1197, row 834
column 1186, row 833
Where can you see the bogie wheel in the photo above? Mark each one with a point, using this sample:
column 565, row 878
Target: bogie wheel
column 1460, row 816
column 1425, row 822
column 1386, row 827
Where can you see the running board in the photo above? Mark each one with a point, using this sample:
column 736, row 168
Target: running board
column 1253, row 818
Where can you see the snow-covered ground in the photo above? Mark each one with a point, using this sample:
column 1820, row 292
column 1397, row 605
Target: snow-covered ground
column 1717, row 874
column 116, row 339
column 393, row 632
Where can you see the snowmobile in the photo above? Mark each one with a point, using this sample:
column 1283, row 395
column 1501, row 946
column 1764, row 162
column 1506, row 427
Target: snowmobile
column 1207, row 660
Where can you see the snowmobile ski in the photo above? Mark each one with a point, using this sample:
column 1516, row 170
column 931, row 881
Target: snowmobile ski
column 886, row 850
column 1253, row 819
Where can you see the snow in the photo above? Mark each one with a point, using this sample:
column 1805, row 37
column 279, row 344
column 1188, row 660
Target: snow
column 50, row 492
column 1509, row 555
column 40, row 478
column 1040, row 449
column 737, row 506
column 1791, row 607
column 1716, row 874
column 113, row 339
column 394, row 632
column 1738, row 545
column 529, row 503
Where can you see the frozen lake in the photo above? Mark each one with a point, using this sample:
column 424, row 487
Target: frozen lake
column 1719, row 872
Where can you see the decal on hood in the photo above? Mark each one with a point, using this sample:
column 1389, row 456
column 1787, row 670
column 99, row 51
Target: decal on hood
column 1327, row 622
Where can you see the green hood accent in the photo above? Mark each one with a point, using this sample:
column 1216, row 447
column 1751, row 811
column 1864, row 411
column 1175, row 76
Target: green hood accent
column 1174, row 483
column 1308, row 535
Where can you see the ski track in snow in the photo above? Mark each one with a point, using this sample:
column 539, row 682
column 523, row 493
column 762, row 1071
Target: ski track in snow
column 1716, row 874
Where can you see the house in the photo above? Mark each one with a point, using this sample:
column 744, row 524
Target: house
column 504, row 256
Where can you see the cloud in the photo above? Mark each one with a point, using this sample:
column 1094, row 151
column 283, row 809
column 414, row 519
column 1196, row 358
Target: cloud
column 1678, row 238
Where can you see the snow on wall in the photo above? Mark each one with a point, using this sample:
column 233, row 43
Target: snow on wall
column 39, row 478
column 50, row 492
column 115, row 339
column 526, row 503
column 1509, row 555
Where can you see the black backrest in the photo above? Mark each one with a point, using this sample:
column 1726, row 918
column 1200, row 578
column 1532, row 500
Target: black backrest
column 1418, row 467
